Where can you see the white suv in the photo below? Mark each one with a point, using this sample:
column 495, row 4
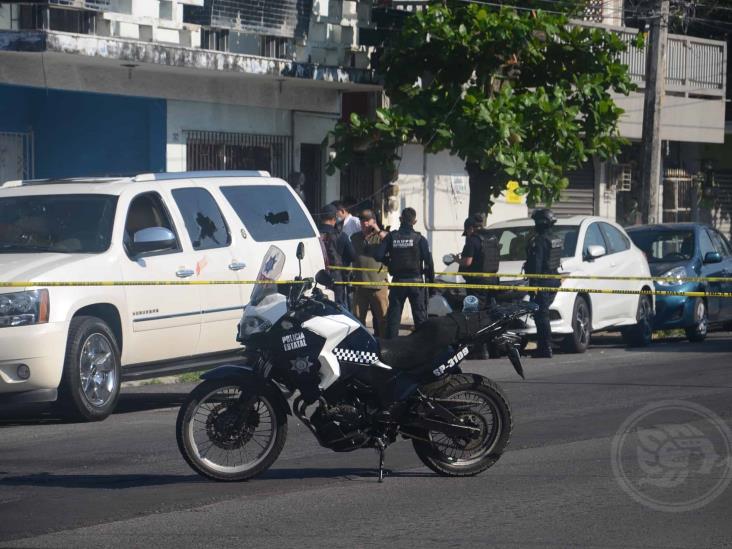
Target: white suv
column 592, row 246
column 79, row 343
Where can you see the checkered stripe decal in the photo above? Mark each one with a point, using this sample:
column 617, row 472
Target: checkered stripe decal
column 358, row 357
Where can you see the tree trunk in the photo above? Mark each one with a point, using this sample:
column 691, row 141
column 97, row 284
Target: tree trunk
column 481, row 185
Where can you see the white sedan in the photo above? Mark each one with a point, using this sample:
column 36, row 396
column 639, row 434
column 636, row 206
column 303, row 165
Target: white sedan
column 592, row 246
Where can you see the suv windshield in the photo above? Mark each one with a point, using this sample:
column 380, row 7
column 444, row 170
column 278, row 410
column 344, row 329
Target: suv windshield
column 665, row 246
column 512, row 241
column 75, row 223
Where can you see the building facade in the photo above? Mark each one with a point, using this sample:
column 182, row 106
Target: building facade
column 95, row 87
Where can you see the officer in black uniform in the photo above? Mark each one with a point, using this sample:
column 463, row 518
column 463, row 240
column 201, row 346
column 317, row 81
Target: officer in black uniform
column 408, row 257
column 473, row 259
column 543, row 255
column 338, row 251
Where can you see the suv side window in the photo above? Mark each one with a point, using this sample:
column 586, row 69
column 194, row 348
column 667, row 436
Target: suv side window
column 269, row 212
column 146, row 211
column 705, row 243
column 593, row 237
column 615, row 239
column 204, row 222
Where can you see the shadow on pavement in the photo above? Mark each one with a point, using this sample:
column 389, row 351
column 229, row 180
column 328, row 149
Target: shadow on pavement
column 113, row 482
column 125, row 481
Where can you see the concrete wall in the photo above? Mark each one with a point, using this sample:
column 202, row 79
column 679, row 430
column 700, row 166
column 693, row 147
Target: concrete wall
column 682, row 118
column 77, row 134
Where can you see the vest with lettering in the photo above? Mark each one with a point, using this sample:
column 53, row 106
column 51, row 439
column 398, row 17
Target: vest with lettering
column 405, row 258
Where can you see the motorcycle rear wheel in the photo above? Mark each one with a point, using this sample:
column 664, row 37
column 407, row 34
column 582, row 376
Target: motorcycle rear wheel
column 451, row 457
column 222, row 440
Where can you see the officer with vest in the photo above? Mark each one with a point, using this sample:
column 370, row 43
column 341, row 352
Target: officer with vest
column 543, row 256
column 408, row 257
column 480, row 255
column 337, row 249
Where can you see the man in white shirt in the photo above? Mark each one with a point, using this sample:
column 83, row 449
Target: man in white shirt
column 350, row 224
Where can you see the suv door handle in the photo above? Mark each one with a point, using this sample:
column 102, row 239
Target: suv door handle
column 184, row 273
column 237, row 266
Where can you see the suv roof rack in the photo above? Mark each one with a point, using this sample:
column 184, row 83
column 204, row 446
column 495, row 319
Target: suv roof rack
column 199, row 174
column 63, row 180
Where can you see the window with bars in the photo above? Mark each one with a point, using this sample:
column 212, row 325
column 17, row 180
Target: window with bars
column 206, row 150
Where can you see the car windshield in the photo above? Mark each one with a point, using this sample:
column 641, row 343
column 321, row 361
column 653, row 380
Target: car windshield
column 271, row 269
column 512, row 241
column 665, row 246
column 74, row 223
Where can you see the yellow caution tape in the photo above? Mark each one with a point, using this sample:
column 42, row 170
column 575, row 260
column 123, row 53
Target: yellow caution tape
column 141, row 283
column 498, row 287
column 494, row 287
column 560, row 276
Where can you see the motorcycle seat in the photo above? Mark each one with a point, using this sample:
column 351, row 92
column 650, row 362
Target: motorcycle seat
column 420, row 347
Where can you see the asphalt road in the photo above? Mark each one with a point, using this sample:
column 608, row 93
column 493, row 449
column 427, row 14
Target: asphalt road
column 122, row 483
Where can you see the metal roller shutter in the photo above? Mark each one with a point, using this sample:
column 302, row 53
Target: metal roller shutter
column 579, row 197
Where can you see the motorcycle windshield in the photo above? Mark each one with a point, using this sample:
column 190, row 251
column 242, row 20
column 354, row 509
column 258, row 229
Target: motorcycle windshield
column 271, row 270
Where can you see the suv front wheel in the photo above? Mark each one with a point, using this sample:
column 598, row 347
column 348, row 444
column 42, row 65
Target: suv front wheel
column 91, row 377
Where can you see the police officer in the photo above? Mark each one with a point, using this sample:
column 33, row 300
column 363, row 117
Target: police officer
column 474, row 259
column 408, row 257
column 543, row 254
column 337, row 249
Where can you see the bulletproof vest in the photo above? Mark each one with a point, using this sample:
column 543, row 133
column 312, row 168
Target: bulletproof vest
column 490, row 252
column 404, row 256
column 328, row 241
column 552, row 254
column 555, row 255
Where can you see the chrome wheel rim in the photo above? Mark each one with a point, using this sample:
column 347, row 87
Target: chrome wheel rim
column 223, row 446
column 97, row 373
column 582, row 324
column 701, row 315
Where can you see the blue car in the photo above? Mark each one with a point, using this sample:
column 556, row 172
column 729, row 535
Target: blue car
column 679, row 250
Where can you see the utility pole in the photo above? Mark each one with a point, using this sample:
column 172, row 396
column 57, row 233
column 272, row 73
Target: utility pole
column 654, row 92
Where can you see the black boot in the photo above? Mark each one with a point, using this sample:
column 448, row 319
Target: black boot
column 542, row 353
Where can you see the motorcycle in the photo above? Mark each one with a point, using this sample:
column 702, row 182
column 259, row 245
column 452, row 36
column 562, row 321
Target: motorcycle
column 351, row 390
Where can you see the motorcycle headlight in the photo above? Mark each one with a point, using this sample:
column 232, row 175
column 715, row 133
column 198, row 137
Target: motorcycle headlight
column 677, row 274
column 24, row 308
column 251, row 325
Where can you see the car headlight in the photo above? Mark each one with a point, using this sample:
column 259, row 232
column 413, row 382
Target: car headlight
column 24, row 308
column 251, row 325
column 677, row 273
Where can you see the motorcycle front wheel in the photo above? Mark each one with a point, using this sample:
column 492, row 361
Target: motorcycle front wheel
column 487, row 409
column 229, row 433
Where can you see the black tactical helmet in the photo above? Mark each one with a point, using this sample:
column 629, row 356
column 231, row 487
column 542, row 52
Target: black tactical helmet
column 544, row 216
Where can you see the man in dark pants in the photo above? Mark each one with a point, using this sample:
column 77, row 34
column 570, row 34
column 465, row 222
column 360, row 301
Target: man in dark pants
column 472, row 261
column 543, row 254
column 337, row 249
column 408, row 257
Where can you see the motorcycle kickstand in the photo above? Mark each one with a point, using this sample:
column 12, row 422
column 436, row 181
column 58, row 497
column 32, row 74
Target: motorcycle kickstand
column 381, row 448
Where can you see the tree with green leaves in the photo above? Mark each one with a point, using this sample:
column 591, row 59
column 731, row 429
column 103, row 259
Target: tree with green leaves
column 518, row 94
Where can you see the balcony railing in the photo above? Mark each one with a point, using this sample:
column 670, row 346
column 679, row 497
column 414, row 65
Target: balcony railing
column 695, row 66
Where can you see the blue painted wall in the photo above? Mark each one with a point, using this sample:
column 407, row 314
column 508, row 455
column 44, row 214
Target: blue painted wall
column 80, row 134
